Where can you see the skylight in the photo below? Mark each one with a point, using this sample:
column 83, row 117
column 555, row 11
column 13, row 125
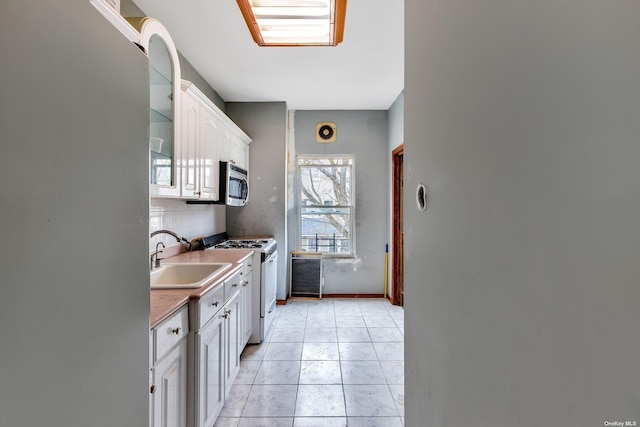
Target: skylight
column 295, row 22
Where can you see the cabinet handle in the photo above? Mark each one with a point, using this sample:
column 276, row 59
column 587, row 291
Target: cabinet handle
column 225, row 315
column 176, row 331
column 215, row 303
column 196, row 193
column 153, row 389
column 245, row 283
column 241, row 273
column 249, row 265
column 235, row 285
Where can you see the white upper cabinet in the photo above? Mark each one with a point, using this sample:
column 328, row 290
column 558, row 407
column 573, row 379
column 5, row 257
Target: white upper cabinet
column 189, row 144
column 235, row 149
column 208, row 137
column 239, row 153
column 164, row 105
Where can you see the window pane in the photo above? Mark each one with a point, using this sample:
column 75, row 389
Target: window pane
column 326, row 204
column 326, row 232
column 326, row 186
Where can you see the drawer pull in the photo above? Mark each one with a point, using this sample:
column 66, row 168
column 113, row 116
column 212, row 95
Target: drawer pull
column 225, row 315
column 235, row 285
column 153, row 389
column 215, row 303
column 241, row 273
column 176, row 330
column 245, row 283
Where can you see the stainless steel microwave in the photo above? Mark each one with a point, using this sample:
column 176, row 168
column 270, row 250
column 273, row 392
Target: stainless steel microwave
column 234, row 184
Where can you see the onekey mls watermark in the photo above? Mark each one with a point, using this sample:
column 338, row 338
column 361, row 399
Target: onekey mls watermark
column 621, row 423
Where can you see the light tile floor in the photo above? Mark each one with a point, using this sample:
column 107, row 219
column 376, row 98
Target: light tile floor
column 325, row 363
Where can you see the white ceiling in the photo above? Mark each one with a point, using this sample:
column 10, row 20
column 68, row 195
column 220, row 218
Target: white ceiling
column 365, row 72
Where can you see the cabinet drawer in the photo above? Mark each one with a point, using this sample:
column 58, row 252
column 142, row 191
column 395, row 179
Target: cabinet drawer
column 232, row 285
column 209, row 305
column 247, row 267
column 168, row 333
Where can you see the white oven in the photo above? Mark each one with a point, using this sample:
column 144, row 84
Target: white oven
column 268, row 280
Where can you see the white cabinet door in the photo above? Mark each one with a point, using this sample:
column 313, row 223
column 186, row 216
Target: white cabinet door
column 164, row 107
column 210, row 140
column 211, row 363
column 225, row 146
column 189, row 143
column 239, row 153
column 170, row 388
column 201, row 146
column 232, row 341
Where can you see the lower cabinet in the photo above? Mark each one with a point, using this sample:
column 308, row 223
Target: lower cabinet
column 168, row 404
column 233, row 341
column 217, row 347
column 169, row 397
column 195, row 356
column 210, row 371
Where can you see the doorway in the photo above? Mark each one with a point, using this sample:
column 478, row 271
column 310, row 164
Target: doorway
column 397, row 264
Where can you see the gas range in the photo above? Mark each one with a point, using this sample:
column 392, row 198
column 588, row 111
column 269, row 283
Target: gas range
column 222, row 241
column 242, row 244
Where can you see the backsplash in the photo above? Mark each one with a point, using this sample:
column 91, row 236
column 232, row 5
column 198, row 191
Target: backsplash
column 188, row 221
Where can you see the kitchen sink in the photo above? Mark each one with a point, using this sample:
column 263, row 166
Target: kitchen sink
column 186, row 276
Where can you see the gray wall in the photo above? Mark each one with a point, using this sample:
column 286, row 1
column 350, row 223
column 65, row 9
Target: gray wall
column 396, row 138
column 265, row 214
column 363, row 134
column 522, row 294
column 396, row 123
column 74, row 293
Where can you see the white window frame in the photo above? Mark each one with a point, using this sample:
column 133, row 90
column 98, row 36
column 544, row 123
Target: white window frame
column 352, row 197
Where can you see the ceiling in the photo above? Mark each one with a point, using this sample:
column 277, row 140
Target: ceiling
column 365, row 72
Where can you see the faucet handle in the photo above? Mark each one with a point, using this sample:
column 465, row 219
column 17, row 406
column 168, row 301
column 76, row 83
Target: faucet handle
column 158, row 251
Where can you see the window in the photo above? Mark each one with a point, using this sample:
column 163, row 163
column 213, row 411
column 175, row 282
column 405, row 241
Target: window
column 326, row 204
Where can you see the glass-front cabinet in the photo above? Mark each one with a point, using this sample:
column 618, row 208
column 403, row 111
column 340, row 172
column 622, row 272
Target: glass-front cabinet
column 164, row 97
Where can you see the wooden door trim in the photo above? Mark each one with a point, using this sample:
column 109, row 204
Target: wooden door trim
column 397, row 266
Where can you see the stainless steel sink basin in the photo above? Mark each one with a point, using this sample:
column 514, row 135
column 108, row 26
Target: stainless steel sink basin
column 186, row 276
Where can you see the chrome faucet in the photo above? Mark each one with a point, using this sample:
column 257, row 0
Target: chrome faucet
column 155, row 254
column 171, row 233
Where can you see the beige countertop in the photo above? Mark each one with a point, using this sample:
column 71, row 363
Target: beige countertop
column 165, row 302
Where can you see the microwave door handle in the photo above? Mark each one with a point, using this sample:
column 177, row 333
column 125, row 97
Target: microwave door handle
column 246, row 186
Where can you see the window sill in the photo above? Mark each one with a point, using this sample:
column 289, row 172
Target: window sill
column 339, row 256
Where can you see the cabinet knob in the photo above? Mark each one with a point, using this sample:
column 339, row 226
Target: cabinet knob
column 225, row 315
column 153, row 389
column 245, row 283
column 196, row 193
column 176, row 330
column 249, row 265
column 215, row 303
column 235, row 285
